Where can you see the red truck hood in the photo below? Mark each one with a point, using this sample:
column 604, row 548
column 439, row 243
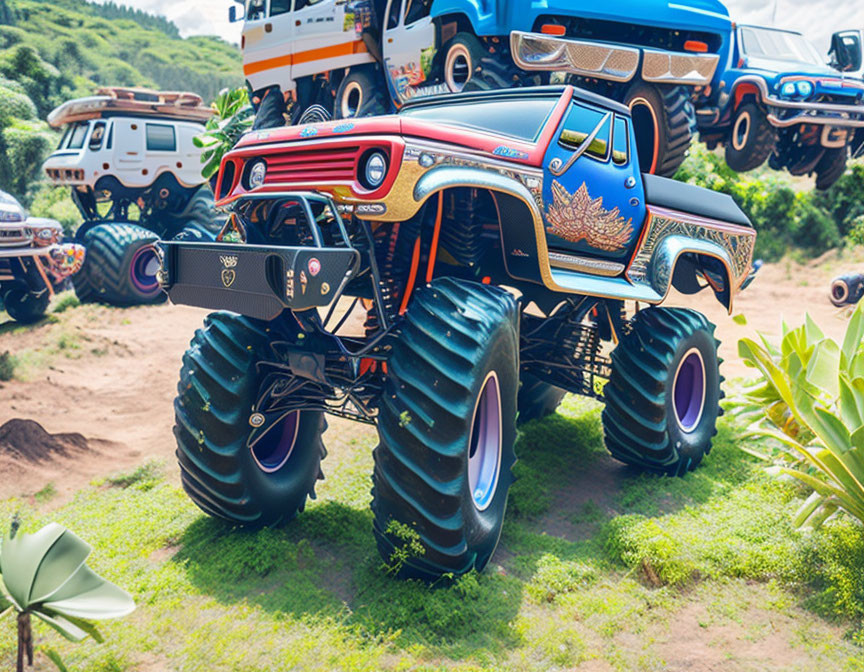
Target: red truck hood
column 504, row 147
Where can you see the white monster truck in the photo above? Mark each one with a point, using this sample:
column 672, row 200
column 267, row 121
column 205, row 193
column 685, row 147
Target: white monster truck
column 135, row 174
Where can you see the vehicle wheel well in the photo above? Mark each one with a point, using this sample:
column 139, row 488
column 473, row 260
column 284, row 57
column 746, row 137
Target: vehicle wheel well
column 695, row 271
column 449, row 25
column 746, row 92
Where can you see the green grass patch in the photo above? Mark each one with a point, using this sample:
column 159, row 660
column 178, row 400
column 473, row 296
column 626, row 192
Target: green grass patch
column 316, row 595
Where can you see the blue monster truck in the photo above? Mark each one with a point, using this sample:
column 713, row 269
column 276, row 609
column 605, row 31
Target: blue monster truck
column 778, row 101
column 308, row 61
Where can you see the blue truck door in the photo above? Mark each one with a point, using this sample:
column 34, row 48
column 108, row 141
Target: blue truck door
column 595, row 201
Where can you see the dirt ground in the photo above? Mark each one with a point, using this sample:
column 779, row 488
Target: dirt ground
column 117, row 385
column 103, row 404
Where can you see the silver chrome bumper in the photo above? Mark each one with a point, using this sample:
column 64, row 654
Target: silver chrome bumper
column 613, row 62
column 811, row 113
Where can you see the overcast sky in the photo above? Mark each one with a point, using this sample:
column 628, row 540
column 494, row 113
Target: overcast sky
column 817, row 19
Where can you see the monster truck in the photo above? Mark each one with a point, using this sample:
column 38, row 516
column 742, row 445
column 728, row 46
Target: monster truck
column 779, row 102
column 332, row 58
column 443, row 274
column 847, row 55
column 33, row 261
column 135, row 175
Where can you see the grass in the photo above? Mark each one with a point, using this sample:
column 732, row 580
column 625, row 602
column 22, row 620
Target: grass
column 635, row 576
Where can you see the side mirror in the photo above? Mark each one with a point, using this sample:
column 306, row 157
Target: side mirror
column 234, row 15
column 845, row 51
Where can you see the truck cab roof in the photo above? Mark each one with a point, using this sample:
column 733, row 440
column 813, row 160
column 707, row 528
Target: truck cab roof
column 554, row 92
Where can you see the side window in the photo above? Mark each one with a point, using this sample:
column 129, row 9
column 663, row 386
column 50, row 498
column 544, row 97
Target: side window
column 620, row 143
column 283, row 6
column 416, row 10
column 110, row 143
column 161, row 138
column 97, row 136
column 581, row 124
column 395, row 13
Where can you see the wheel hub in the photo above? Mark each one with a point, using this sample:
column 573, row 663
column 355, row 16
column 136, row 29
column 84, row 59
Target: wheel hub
column 688, row 390
column 458, row 70
column 484, row 453
column 741, row 131
column 144, row 269
column 352, row 100
column 273, row 449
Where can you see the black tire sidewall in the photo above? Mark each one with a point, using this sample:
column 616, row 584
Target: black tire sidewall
column 695, row 444
column 25, row 307
column 370, row 92
column 755, row 149
column 483, row 528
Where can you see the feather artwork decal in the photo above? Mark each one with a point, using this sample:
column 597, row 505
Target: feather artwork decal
column 577, row 217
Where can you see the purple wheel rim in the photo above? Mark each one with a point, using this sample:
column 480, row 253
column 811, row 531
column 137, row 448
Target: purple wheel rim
column 688, row 390
column 273, row 449
column 143, row 270
column 484, row 453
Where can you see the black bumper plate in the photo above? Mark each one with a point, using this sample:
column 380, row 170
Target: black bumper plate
column 255, row 280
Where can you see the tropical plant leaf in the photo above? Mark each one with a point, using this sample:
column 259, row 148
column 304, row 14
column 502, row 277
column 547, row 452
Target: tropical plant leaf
column 5, row 604
column 55, row 658
column 46, row 575
column 812, row 399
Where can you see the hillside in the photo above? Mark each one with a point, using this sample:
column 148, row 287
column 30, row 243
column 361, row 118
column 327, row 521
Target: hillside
column 84, row 45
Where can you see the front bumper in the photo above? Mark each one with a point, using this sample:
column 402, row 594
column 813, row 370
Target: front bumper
column 258, row 281
column 609, row 61
column 53, row 263
column 839, row 115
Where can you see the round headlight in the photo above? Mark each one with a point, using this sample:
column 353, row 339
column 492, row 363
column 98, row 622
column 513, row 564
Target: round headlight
column 257, row 173
column 376, row 170
column 805, row 88
column 788, row 89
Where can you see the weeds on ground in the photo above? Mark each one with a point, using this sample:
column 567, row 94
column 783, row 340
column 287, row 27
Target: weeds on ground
column 65, row 301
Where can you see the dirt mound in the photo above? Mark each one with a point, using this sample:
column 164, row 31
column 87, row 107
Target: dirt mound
column 29, row 440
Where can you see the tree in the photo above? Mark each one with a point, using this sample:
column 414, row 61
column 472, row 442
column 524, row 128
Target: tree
column 45, row 575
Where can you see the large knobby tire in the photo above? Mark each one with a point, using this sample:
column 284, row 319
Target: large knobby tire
column 263, row 485
column 537, row 399
column 663, row 122
column 831, row 167
column 751, row 138
column 120, row 266
column 462, row 57
column 24, row 306
column 361, row 94
column 270, row 110
column 497, row 72
column 199, row 215
column 662, row 399
column 446, row 428
column 847, row 290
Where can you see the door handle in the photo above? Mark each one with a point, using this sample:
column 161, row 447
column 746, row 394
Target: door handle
column 389, row 40
column 268, row 27
column 298, row 23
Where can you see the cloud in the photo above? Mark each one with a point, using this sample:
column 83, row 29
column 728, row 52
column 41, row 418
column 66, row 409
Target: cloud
column 816, row 19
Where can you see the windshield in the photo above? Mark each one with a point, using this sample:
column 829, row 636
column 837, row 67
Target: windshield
column 519, row 118
column 778, row 45
column 74, row 136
